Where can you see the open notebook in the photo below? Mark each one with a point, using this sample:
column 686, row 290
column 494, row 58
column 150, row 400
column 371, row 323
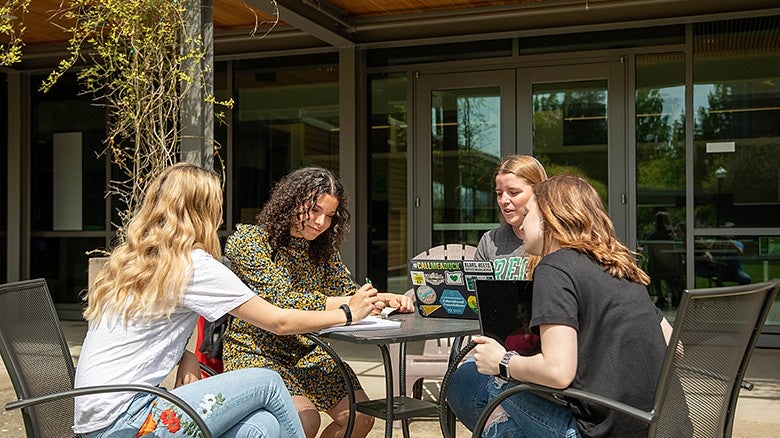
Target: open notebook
column 368, row 323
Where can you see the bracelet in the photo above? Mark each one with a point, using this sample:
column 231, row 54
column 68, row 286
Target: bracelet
column 347, row 312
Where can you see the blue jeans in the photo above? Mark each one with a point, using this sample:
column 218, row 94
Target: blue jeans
column 528, row 415
column 252, row 402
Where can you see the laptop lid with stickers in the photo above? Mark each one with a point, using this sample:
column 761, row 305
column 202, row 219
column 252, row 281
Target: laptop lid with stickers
column 446, row 288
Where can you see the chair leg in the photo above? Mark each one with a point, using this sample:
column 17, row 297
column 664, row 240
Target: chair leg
column 417, row 389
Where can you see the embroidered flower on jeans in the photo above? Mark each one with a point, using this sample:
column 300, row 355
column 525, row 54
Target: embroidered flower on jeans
column 209, row 402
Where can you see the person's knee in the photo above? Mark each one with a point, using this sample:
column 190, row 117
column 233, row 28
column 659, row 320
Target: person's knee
column 363, row 424
column 311, row 421
column 309, row 415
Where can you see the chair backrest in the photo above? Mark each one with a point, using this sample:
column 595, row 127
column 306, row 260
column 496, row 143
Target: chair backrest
column 36, row 355
column 450, row 251
column 715, row 333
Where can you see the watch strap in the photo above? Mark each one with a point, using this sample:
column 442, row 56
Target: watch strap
column 347, row 312
column 503, row 366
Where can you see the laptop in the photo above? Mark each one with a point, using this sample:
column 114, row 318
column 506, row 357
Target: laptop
column 446, row 288
column 505, row 312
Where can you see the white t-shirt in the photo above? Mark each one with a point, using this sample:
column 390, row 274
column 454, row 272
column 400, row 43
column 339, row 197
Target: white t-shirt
column 145, row 353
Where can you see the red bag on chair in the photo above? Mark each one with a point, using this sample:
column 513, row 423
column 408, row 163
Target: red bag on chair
column 209, row 342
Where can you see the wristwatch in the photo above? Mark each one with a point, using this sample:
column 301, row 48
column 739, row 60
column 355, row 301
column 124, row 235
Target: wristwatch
column 503, row 366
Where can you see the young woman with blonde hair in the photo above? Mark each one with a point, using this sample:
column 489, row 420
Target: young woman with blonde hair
column 144, row 307
column 515, row 178
column 600, row 331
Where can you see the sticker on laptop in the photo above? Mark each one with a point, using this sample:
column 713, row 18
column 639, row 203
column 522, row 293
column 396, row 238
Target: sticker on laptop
column 453, row 277
column 471, row 281
column 428, row 309
column 418, row 277
column 453, row 302
column 426, row 294
column 434, row 278
column 483, row 266
column 472, row 300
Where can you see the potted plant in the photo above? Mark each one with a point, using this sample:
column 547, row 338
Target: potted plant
column 141, row 59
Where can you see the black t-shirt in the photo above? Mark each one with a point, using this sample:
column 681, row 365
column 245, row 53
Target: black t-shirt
column 620, row 345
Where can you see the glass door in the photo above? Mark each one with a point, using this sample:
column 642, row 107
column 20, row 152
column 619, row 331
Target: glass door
column 572, row 118
column 465, row 127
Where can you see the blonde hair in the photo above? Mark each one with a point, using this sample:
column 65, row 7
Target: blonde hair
column 146, row 275
column 532, row 171
column 522, row 166
column 574, row 217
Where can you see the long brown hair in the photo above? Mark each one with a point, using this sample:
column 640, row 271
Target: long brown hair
column 574, row 217
column 302, row 188
column 146, row 275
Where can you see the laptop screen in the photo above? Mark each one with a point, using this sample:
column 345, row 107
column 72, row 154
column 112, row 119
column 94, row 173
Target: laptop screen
column 505, row 312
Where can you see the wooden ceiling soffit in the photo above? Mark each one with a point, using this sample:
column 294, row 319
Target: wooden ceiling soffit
column 316, row 18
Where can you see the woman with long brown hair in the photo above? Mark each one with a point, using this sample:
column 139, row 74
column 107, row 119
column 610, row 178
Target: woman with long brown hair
column 599, row 329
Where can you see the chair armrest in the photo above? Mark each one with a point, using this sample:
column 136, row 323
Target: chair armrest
column 207, row 370
column 647, row 417
column 347, row 380
column 178, row 402
column 744, row 384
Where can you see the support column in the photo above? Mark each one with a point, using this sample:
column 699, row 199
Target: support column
column 197, row 115
column 353, row 158
column 15, row 170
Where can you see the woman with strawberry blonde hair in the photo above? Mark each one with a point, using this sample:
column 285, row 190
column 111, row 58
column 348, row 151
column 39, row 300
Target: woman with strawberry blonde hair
column 144, row 306
column 600, row 332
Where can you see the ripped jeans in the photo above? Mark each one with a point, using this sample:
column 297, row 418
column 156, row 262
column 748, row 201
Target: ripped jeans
column 526, row 414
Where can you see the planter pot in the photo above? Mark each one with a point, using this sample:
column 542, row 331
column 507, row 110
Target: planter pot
column 95, row 265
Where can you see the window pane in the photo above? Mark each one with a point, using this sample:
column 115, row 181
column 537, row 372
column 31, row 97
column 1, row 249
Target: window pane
column 660, row 164
column 67, row 137
column 737, row 123
column 285, row 117
column 387, row 212
column 465, row 139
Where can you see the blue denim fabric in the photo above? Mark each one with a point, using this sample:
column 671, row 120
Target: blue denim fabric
column 528, row 415
column 251, row 402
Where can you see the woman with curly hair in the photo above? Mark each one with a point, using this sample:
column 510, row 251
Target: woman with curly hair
column 600, row 331
column 291, row 259
column 144, row 306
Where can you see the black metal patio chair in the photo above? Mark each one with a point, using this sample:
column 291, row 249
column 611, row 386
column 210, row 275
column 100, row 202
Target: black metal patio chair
column 36, row 355
column 716, row 330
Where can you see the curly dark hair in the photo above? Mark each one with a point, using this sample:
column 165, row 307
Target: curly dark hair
column 300, row 188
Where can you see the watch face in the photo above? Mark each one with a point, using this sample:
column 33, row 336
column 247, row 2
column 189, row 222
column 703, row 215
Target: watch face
column 502, row 370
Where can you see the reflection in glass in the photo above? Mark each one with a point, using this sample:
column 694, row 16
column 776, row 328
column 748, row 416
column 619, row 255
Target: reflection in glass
column 62, row 111
column 660, row 174
column 387, row 211
column 466, row 144
column 737, row 123
column 285, row 117
column 730, row 259
column 570, row 130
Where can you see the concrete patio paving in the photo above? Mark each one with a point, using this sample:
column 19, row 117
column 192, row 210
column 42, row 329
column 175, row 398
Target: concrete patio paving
column 758, row 411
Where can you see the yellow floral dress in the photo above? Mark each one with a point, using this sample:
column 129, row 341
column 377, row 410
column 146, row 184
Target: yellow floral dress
column 290, row 281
